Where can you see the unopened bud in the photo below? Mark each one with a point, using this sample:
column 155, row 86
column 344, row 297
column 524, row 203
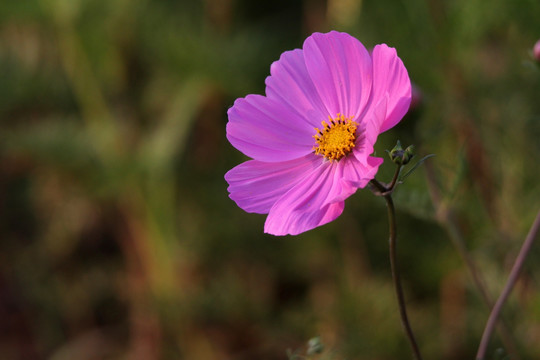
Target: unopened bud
column 400, row 156
column 409, row 152
column 536, row 51
column 315, row 346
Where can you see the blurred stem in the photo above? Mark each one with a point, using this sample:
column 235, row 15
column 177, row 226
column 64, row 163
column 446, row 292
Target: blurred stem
column 145, row 332
column 80, row 74
column 386, row 192
column 84, row 82
column 512, row 279
column 447, row 219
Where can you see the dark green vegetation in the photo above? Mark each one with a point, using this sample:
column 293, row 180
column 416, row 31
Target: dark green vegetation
column 117, row 237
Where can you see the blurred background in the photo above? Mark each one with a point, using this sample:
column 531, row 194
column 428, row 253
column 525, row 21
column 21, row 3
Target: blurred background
column 117, row 236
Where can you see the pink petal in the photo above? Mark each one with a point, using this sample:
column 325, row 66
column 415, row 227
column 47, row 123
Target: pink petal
column 266, row 130
column 371, row 125
column 355, row 174
column 306, row 205
column 332, row 212
column 390, row 77
column 341, row 70
column 255, row 186
column 349, row 175
column 291, row 84
column 318, row 198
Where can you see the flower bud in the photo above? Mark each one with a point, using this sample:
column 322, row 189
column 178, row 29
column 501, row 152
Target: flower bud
column 400, row 156
column 536, row 51
column 315, row 346
column 409, row 152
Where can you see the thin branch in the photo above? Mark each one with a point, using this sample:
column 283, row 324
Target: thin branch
column 396, row 278
column 512, row 279
column 386, row 191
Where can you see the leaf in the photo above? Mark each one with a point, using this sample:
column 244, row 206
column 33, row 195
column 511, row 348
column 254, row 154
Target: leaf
column 420, row 162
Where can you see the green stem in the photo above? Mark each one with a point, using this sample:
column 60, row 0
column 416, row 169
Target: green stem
column 394, row 179
column 386, row 192
column 512, row 279
column 396, row 278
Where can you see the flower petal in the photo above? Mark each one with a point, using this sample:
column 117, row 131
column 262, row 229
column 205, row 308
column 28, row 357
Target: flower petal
column 319, row 197
column 390, row 77
column 291, row 84
column 255, row 186
column 355, row 174
column 264, row 129
column 371, row 125
column 307, row 204
column 341, row 70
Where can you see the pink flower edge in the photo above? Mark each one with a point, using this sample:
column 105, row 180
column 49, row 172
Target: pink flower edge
column 332, row 74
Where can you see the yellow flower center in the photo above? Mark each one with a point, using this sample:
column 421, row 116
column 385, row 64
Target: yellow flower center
column 335, row 140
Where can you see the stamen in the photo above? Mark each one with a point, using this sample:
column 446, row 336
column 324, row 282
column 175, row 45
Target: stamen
column 336, row 140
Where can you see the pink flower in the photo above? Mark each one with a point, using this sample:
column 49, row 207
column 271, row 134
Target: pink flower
column 311, row 136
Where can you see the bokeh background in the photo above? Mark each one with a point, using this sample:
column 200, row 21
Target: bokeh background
column 118, row 239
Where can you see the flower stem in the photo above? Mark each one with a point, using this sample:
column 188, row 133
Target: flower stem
column 396, row 277
column 386, row 192
column 394, row 179
column 514, row 274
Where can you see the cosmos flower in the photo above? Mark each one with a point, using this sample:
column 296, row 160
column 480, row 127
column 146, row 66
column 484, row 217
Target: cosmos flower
column 312, row 135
